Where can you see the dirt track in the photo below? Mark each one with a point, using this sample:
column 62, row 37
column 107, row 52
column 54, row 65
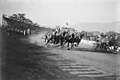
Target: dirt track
column 22, row 60
column 107, row 63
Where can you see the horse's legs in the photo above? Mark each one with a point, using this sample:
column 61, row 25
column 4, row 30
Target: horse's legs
column 72, row 45
column 68, row 46
column 72, row 42
column 47, row 42
column 63, row 43
column 46, row 38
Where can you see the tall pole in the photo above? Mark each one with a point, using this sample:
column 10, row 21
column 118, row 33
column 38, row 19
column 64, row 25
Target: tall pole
column 2, row 21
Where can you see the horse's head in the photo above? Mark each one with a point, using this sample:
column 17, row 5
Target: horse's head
column 81, row 35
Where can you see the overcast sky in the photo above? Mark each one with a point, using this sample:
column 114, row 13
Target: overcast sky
column 58, row 12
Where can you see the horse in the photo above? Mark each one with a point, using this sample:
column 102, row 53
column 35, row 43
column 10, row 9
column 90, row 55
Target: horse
column 54, row 38
column 72, row 40
column 57, row 38
column 48, row 38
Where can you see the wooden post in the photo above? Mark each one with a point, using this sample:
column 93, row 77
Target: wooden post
column 2, row 21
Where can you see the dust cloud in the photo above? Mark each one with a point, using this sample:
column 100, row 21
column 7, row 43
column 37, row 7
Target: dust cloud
column 37, row 38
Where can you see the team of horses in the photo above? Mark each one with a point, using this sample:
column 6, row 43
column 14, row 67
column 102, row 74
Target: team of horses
column 63, row 38
column 75, row 38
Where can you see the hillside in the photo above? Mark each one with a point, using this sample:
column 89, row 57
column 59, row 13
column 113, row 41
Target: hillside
column 102, row 27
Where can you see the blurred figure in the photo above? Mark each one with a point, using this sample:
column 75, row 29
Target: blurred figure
column 28, row 31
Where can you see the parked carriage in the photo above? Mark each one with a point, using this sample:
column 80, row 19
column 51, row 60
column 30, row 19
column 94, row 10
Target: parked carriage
column 107, row 45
